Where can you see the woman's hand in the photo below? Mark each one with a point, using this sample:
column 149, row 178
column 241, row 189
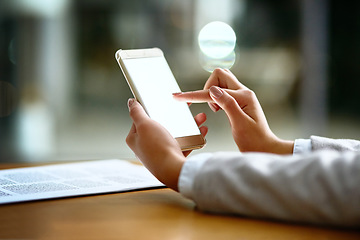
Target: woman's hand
column 155, row 147
column 249, row 126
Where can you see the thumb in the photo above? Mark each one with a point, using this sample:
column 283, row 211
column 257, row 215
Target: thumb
column 137, row 112
column 228, row 104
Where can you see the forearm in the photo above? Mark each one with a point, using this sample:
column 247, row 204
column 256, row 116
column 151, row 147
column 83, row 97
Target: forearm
column 320, row 188
column 319, row 143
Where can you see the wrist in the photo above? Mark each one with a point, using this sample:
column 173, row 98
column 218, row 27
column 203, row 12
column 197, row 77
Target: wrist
column 171, row 169
column 282, row 147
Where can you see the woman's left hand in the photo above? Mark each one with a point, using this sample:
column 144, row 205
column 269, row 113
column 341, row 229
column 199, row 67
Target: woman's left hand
column 155, row 147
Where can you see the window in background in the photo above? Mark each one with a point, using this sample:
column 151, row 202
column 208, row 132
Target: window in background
column 71, row 96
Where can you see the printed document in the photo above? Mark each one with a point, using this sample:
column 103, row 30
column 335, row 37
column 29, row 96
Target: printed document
column 73, row 179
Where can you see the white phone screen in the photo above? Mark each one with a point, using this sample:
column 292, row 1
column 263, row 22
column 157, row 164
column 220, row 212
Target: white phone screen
column 155, row 83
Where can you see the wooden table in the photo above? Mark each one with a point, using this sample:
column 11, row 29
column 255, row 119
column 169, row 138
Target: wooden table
column 150, row 214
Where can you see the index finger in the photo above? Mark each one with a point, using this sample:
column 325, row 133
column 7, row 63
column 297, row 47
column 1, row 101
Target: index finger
column 198, row 96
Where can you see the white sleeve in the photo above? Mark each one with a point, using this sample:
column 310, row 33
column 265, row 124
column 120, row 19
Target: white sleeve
column 321, row 187
column 302, row 146
column 189, row 171
column 321, row 143
column 194, row 163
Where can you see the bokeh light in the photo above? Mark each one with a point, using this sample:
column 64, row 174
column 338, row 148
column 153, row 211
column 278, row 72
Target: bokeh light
column 217, row 42
column 209, row 64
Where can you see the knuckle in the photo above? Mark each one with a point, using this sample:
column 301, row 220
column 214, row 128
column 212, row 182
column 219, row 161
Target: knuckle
column 218, row 71
column 249, row 93
column 132, row 112
column 128, row 140
column 229, row 102
column 145, row 127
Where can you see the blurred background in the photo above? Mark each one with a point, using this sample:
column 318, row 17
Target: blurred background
column 63, row 96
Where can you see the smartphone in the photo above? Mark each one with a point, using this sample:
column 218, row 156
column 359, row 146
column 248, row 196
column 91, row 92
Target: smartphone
column 152, row 84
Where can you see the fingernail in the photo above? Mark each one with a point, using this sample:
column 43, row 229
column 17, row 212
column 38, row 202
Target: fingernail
column 177, row 93
column 215, row 92
column 130, row 102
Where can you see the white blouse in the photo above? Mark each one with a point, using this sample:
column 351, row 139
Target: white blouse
column 309, row 186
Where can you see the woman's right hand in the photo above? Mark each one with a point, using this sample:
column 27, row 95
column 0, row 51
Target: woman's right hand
column 249, row 126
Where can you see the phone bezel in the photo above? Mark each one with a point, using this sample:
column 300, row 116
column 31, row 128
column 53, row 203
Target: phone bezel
column 186, row 142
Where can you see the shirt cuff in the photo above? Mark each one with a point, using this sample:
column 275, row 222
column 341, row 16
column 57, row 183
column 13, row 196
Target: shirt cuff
column 188, row 173
column 302, row 146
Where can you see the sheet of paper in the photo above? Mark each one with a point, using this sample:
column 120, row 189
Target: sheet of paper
column 73, row 179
